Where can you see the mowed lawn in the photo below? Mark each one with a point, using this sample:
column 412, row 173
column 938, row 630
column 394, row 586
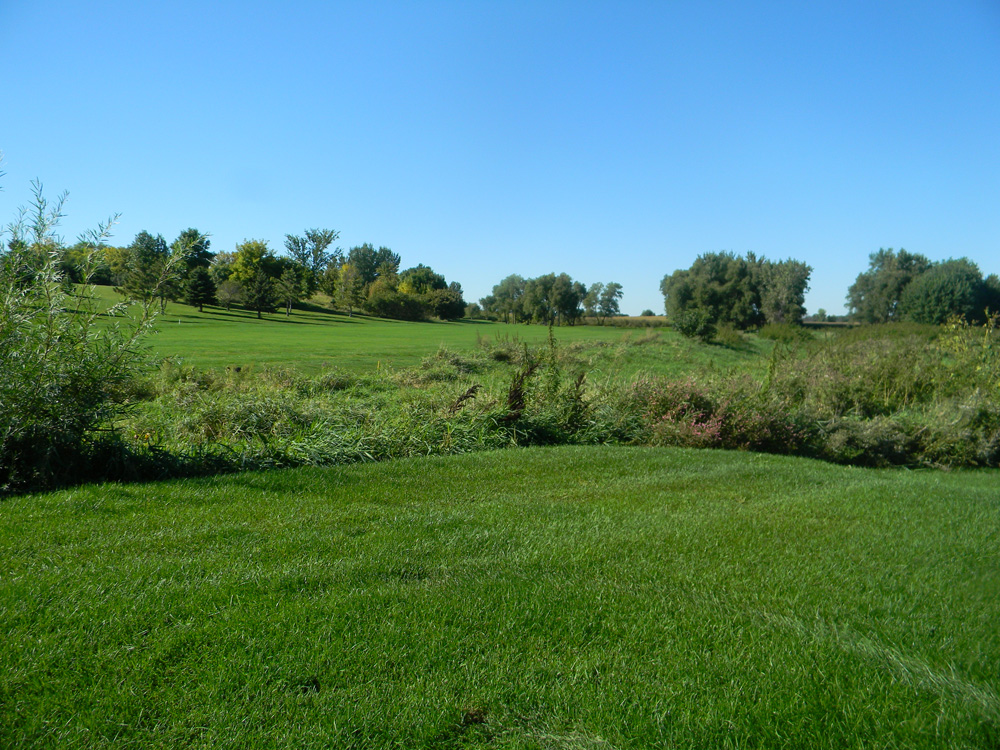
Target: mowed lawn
column 314, row 338
column 534, row 598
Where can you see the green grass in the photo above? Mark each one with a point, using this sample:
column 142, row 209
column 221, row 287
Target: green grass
column 542, row 598
column 315, row 338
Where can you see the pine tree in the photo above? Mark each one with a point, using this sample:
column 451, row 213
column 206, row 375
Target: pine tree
column 200, row 288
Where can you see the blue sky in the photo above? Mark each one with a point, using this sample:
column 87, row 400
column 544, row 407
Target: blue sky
column 613, row 141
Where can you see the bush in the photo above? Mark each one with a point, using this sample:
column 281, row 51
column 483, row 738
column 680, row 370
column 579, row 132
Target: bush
column 65, row 371
column 693, row 324
column 786, row 333
column 728, row 335
column 395, row 305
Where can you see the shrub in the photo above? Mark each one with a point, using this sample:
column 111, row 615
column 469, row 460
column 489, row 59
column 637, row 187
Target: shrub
column 787, row 333
column 728, row 335
column 63, row 376
column 396, row 305
column 693, row 324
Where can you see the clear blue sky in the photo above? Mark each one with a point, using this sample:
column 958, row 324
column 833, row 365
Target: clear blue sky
column 613, row 141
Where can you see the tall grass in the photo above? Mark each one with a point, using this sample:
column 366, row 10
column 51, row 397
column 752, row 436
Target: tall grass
column 906, row 396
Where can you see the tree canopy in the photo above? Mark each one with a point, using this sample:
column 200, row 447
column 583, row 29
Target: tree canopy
column 875, row 295
column 908, row 286
column 743, row 292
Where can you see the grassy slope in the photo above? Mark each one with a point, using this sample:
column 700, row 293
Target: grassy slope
column 544, row 598
column 315, row 338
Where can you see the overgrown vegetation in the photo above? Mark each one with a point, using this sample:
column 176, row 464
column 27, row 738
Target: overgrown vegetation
column 922, row 397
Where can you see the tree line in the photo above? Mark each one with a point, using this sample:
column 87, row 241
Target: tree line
column 255, row 276
column 908, row 286
column 552, row 299
column 724, row 289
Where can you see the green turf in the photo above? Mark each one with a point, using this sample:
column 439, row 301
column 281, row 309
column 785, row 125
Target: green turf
column 541, row 598
column 315, row 338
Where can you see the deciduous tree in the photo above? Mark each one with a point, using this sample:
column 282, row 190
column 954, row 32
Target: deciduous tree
column 875, row 295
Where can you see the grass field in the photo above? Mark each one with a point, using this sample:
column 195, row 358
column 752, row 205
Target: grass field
column 314, row 337
column 542, row 598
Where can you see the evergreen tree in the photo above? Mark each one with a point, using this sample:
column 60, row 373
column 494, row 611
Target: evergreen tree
column 200, row 288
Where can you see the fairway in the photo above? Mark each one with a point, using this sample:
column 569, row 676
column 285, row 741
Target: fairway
column 541, row 598
column 314, row 338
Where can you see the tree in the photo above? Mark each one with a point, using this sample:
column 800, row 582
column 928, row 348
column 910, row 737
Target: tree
column 592, row 301
column 193, row 245
column 68, row 366
column 566, row 298
column 782, row 288
column 608, row 303
column 537, row 302
column 200, row 288
column 367, row 261
column 952, row 287
column 386, row 302
column 313, row 253
column 228, row 292
column 875, row 295
column 742, row 292
column 349, row 289
column 251, row 257
column 290, row 288
column 446, row 304
column 142, row 275
column 506, row 299
column 420, row 280
column 328, row 282
column 719, row 285
column 222, row 267
column 259, row 294
column 992, row 293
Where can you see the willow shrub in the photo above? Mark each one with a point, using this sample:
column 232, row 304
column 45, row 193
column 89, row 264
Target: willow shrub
column 63, row 376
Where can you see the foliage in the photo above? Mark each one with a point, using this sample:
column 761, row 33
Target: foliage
column 292, row 287
column 945, row 290
column 349, row 288
column 194, row 246
column 729, row 335
column 367, row 261
column 782, row 287
column 446, row 304
column 144, row 277
column 386, row 302
column 784, row 332
column 228, row 292
column 421, row 280
column 312, row 252
column 875, row 295
column 608, row 298
column 743, row 292
column 201, row 289
column 693, row 323
column 251, row 259
column 67, row 368
column 259, row 293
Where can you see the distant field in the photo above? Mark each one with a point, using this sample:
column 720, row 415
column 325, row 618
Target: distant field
column 540, row 598
column 315, row 338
